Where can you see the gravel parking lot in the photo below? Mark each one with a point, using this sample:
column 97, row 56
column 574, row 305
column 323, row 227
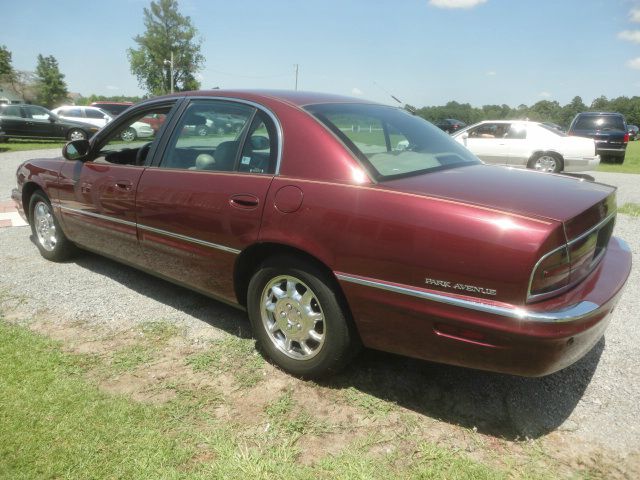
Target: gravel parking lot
column 595, row 402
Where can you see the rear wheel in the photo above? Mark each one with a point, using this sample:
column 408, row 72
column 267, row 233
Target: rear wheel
column 128, row 135
column 297, row 318
column 546, row 162
column 76, row 134
column 50, row 240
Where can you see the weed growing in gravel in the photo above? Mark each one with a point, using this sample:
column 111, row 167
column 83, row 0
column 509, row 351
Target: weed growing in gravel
column 632, row 209
column 235, row 355
column 159, row 332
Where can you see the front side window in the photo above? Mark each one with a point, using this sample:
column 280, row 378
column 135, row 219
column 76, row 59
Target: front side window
column 129, row 143
column 490, row 130
column 201, row 140
column 95, row 114
column 70, row 112
column 37, row 113
column 390, row 142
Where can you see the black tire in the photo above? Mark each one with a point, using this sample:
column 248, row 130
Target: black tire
column 76, row 134
column 618, row 160
column 49, row 237
column 557, row 159
column 332, row 321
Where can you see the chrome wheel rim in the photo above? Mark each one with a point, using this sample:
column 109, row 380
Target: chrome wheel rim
column 545, row 163
column 202, row 131
column 45, row 226
column 77, row 135
column 292, row 317
column 128, row 135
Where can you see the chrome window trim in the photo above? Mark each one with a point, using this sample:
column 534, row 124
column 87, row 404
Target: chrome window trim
column 569, row 314
column 257, row 106
column 153, row 230
column 541, row 296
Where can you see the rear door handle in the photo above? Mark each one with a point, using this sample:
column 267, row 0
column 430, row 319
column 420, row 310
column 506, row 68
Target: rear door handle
column 244, row 201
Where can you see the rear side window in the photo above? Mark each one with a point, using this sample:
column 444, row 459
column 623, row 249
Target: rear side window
column 11, row 111
column 599, row 122
column 71, row 112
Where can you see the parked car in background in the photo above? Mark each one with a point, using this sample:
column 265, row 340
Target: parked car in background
column 609, row 130
column 528, row 144
column 155, row 121
column 137, row 130
column 33, row 121
column 332, row 239
column 93, row 115
column 450, row 125
column 114, row 108
column 633, row 131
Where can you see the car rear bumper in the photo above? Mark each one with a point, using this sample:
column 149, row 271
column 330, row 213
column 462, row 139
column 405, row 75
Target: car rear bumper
column 581, row 164
column 531, row 340
column 611, row 152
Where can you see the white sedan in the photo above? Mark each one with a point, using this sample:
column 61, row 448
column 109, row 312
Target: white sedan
column 528, row 144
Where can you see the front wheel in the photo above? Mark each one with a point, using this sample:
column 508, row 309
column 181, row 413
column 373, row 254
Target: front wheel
column 546, row 162
column 297, row 318
column 50, row 240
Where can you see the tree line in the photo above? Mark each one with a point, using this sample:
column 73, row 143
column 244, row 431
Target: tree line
column 542, row 111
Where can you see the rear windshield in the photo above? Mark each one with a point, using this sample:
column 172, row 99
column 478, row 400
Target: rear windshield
column 391, row 143
column 599, row 122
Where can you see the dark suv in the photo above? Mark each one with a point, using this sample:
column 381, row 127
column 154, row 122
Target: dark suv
column 609, row 130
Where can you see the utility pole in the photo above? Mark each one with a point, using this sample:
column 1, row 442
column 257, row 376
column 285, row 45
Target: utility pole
column 296, row 65
column 170, row 63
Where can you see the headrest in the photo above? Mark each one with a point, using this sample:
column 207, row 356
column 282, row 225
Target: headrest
column 204, row 161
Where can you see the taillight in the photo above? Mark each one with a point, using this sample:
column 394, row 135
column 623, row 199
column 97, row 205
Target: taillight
column 552, row 272
column 626, row 137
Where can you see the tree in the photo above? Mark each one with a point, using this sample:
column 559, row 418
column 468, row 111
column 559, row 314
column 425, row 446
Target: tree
column 52, row 89
column 6, row 68
column 167, row 31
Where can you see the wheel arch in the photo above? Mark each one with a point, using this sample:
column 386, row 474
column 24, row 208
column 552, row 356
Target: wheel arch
column 28, row 189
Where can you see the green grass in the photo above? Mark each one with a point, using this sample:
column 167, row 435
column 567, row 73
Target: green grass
column 54, row 423
column 632, row 209
column 631, row 161
column 20, row 145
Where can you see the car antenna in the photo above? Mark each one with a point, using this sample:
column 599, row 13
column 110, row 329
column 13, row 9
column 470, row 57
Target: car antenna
column 408, row 108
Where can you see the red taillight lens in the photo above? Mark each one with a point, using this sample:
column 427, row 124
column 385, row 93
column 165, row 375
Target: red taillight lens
column 552, row 273
column 626, row 137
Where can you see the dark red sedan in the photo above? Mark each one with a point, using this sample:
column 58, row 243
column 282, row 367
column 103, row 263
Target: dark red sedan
column 336, row 223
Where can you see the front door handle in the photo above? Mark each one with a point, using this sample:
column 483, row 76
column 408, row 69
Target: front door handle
column 123, row 185
column 244, row 201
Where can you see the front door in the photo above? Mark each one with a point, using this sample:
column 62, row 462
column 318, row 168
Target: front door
column 202, row 204
column 98, row 196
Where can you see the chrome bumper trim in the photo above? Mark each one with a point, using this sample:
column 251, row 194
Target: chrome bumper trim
column 569, row 314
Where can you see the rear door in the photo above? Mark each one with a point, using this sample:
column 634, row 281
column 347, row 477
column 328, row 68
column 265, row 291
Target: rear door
column 13, row 121
column 202, row 203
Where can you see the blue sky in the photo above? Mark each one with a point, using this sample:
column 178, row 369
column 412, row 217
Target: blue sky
column 425, row 52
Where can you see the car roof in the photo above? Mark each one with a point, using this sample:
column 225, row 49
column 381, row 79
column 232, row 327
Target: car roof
column 292, row 97
column 600, row 113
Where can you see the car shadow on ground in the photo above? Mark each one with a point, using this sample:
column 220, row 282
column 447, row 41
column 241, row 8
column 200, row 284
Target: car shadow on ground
column 500, row 405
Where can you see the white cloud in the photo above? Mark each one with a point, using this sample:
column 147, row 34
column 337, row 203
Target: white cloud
column 544, row 94
column 356, row 91
column 634, row 63
column 630, row 35
column 455, row 3
column 634, row 15
column 491, row 73
column 112, row 87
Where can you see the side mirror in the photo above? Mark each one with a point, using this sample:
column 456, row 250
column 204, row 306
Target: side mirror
column 53, row 119
column 76, row 150
column 464, row 137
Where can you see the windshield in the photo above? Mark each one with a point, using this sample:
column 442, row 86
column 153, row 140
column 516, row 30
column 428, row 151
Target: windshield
column 391, row 143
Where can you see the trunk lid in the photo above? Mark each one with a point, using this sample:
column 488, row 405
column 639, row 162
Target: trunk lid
column 577, row 203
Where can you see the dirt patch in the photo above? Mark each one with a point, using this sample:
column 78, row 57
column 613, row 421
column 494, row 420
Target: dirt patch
column 325, row 420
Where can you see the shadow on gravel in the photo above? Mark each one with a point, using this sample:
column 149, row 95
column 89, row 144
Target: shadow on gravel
column 500, row 405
